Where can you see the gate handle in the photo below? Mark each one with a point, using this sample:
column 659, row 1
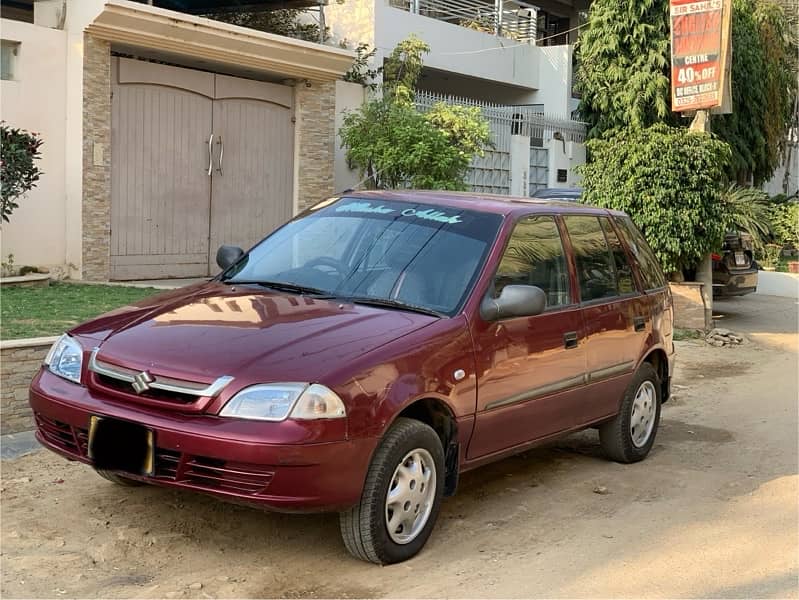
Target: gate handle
column 221, row 154
column 210, row 154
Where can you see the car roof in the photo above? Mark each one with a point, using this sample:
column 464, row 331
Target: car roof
column 480, row 202
column 570, row 193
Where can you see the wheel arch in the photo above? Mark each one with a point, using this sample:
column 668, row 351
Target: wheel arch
column 436, row 413
column 659, row 360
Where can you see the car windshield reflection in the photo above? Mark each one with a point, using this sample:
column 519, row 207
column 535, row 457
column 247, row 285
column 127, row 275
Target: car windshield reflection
column 422, row 257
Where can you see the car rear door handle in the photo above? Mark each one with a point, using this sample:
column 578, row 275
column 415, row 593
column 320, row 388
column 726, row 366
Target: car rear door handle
column 639, row 323
column 570, row 339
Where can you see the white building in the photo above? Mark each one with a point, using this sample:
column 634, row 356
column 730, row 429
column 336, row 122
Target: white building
column 165, row 134
column 786, row 173
column 513, row 58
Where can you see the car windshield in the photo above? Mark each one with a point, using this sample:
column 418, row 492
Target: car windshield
column 396, row 254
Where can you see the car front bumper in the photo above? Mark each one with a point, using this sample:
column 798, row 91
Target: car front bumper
column 233, row 459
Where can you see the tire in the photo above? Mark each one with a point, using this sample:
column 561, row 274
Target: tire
column 365, row 527
column 118, row 479
column 623, row 443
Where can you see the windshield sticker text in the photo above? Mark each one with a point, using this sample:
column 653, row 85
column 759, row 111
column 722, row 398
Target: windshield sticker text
column 431, row 215
column 428, row 214
column 365, row 207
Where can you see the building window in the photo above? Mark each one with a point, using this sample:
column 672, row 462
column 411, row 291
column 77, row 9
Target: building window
column 552, row 30
column 10, row 54
column 17, row 10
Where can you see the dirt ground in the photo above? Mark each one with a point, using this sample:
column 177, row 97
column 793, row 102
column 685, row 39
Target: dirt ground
column 711, row 513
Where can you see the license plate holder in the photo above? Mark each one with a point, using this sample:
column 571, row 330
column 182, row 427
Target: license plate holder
column 116, row 445
column 740, row 259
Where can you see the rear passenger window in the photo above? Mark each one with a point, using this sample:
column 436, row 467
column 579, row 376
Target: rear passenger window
column 648, row 263
column 624, row 272
column 534, row 256
column 595, row 269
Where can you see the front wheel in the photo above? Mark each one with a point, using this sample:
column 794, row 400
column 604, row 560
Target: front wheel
column 401, row 497
column 630, row 436
column 118, row 479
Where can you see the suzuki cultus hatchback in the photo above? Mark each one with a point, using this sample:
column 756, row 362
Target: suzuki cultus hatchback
column 366, row 353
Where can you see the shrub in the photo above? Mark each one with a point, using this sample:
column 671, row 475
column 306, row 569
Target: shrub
column 392, row 144
column 19, row 151
column 770, row 255
column 785, row 223
column 667, row 180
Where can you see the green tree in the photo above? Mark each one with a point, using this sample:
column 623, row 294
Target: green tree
column 667, row 180
column 624, row 77
column 402, row 70
column 285, row 21
column 392, row 144
column 19, row 173
column 785, row 221
column 763, row 90
column 624, row 61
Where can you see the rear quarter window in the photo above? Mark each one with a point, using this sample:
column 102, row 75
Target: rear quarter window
column 648, row 264
column 624, row 271
column 595, row 269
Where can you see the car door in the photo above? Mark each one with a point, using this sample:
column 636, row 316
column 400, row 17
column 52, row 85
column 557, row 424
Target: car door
column 529, row 369
column 615, row 313
column 655, row 305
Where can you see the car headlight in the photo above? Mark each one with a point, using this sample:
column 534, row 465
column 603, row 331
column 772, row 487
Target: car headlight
column 279, row 401
column 65, row 358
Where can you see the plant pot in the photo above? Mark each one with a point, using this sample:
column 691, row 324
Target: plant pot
column 793, row 266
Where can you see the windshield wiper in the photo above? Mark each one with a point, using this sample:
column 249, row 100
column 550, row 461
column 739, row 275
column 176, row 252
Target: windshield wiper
column 384, row 302
column 282, row 286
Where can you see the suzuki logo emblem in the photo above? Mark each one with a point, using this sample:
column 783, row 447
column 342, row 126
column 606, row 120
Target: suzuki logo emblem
column 141, row 382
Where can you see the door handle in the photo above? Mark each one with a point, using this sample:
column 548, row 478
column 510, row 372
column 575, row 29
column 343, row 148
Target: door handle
column 570, row 339
column 221, row 154
column 210, row 154
column 639, row 323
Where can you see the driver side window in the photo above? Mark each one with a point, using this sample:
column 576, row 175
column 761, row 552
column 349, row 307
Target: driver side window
column 534, row 256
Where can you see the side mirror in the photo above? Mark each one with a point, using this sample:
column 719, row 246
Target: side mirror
column 514, row 301
column 228, row 255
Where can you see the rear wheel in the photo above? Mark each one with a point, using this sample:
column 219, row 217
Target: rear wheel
column 631, row 434
column 118, row 479
column 401, row 497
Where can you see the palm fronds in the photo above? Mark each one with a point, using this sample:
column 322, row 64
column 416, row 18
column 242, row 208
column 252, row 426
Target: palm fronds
column 748, row 209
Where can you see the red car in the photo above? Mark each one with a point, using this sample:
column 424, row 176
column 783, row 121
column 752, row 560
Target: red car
column 368, row 352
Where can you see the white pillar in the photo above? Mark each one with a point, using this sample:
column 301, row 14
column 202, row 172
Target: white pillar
column 519, row 165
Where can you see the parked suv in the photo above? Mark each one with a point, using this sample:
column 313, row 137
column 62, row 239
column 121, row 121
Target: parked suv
column 365, row 354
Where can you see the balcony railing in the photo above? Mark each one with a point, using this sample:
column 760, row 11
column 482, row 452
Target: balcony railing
column 514, row 20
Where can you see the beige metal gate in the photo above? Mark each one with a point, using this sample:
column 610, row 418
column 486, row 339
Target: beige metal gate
column 198, row 160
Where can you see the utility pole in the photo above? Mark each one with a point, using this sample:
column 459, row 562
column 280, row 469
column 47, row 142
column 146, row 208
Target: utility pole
column 704, row 271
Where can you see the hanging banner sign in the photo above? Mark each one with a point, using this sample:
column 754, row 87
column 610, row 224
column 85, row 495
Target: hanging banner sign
column 699, row 35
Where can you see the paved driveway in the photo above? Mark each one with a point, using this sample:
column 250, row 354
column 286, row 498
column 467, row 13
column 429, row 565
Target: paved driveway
column 711, row 513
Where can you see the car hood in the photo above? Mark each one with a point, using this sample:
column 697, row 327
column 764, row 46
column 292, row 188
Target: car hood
column 203, row 332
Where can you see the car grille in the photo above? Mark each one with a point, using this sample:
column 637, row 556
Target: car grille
column 211, row 474
column 152, row 388
column 160, row 395
column 70, row 439
column 198, row 471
